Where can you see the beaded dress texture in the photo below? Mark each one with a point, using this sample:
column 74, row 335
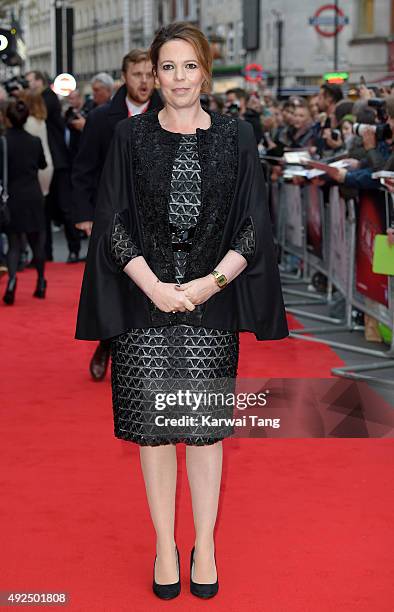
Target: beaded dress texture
column 147, row 361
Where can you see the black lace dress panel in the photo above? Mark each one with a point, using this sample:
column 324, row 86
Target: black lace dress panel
column 149, row 361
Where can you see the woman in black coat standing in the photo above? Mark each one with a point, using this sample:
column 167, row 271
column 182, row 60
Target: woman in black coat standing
column 26, row 201
column 180, row 260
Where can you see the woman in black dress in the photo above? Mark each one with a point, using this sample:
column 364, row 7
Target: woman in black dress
column 26, row 202
column 180, row 259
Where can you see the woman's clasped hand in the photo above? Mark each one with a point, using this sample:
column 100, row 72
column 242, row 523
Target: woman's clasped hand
column 173, row 297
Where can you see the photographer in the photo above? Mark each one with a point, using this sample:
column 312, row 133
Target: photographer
column 75, row 119
column 235, row 105
column 245, row 106
column 377, row 141
column 371, row 138
column 328, row 137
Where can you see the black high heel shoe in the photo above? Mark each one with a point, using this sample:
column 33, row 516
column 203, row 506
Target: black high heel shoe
column 9, row 295
column 40, row 288
column 167, row 591
column 200, row 589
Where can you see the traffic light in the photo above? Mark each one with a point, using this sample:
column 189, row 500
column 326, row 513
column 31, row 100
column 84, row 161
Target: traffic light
column 9, row 47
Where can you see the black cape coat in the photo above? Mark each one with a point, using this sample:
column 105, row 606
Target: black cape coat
column 135, row 188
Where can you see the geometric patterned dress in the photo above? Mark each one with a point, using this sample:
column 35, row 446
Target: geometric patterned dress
column 148, row 361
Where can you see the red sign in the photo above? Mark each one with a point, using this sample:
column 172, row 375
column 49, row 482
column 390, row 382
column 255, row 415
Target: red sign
column 371, row 221
column 253, row 73
column 331, row 17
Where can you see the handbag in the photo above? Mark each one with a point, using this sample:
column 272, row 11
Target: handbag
column 5, row 215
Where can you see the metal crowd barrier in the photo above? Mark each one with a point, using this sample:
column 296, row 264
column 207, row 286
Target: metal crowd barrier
column 326, row 238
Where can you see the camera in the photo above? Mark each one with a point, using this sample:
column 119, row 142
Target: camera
column 232, row 110
column 379, row 104
column 71, row 114
column 335, row 134
column 382, row 130
column 14, row 84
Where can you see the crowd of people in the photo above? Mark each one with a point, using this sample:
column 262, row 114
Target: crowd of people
column 56, row 148
column 357, row 128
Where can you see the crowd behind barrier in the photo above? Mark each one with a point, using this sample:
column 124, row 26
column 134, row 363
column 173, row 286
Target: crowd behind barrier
column 325, row 218
column 335, row 235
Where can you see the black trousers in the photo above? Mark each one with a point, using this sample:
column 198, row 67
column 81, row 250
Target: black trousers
column 16, row 242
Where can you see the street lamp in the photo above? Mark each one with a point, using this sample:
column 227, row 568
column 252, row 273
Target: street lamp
column 279, row 25
column 336, row 36
column 95, row 29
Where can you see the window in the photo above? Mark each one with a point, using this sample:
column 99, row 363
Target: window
column 366, row 16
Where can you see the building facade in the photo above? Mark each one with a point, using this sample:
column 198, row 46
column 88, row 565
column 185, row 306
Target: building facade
column 221, row 21
column 371, row 48
column 104, row 30
column 364, row 41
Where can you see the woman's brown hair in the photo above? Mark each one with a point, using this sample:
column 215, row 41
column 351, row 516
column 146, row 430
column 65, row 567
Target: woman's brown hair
column 190, row 33
column 35, row 103
column 17, row 112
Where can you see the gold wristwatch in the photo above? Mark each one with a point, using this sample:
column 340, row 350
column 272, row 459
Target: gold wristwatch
column 220, row 278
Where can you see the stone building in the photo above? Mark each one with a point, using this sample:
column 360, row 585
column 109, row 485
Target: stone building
column 104, row 30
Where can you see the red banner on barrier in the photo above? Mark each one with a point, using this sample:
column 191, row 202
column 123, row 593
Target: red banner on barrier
column 314, row 223
column 371, row 220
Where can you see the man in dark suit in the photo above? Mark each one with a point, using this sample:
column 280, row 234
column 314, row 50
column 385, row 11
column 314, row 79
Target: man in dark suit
column 59, row 197
column 137, row 95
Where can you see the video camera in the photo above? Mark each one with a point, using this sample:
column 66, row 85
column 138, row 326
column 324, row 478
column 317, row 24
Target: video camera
column 382, row 130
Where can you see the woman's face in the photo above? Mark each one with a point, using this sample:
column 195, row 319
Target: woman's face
column 179, row 73
column 301, row 117
column 347, row 130
column 314, row 106
column 288, row 115
column 278, row 116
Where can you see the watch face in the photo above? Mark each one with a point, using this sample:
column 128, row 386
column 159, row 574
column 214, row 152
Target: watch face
column 222, row 280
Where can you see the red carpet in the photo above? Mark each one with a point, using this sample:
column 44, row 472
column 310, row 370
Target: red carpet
column 304, row 525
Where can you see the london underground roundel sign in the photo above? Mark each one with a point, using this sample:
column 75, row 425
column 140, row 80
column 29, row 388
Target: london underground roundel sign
column 329, row 20
column 253, row 73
